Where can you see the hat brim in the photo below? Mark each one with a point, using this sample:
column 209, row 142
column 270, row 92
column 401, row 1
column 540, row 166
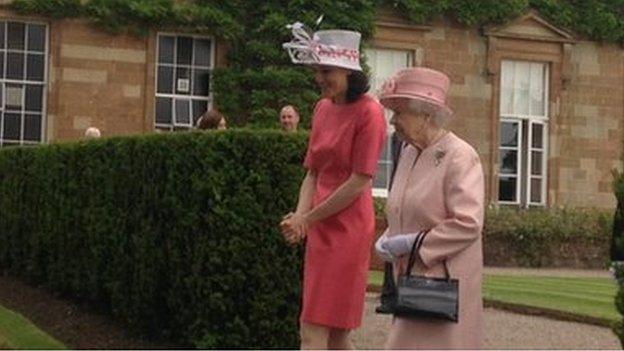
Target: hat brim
column 390, row 102
column 324, row 64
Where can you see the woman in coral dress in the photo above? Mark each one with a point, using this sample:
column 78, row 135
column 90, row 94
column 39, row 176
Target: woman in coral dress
column 335, row 208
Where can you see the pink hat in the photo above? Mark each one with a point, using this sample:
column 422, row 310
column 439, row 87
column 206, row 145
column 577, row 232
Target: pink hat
column 418, row 83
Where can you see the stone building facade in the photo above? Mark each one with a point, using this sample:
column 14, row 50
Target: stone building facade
column 543, row 107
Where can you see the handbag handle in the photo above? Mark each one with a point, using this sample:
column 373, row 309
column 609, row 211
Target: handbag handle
column 412, row 259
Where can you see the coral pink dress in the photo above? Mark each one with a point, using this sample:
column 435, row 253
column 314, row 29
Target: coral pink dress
column 345, row 139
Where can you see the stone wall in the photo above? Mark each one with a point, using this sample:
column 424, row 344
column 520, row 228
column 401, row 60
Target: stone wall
column 96, row 79
column 588, row 135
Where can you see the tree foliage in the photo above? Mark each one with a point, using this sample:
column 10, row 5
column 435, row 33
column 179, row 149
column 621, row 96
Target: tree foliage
column 259, row 78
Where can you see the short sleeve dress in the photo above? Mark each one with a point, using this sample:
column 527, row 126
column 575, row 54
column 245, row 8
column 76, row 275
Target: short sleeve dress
column 345, row 139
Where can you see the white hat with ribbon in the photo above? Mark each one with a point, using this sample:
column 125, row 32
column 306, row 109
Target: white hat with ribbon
column 336, row 47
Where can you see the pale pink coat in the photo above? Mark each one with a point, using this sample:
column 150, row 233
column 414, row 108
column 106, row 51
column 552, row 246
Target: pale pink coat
column 442, row 190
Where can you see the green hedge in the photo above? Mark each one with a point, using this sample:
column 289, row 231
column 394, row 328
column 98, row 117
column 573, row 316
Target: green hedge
column 597, row 19
column 176, row 235
column 617, row 250
column 542, row 237
column 547, row 237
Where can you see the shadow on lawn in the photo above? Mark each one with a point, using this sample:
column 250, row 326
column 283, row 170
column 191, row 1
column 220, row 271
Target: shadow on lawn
column 75, row 325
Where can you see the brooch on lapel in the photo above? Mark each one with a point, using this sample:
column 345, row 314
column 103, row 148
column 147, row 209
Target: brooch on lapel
column 439, row 155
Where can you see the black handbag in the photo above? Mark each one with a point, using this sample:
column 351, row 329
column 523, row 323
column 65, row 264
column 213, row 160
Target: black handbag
column 388, row 292
column 425, row 297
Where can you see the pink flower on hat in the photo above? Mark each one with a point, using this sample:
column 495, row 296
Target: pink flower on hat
column 388, row 87
column 335, row 48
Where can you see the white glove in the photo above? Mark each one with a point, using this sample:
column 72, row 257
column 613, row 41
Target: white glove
column 401, row 244
column 617, row 271
column 381, row 251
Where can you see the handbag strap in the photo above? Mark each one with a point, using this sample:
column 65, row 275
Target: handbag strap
column 412, row 258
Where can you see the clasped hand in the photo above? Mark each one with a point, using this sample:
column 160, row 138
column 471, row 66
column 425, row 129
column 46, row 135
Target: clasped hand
column 294, row 227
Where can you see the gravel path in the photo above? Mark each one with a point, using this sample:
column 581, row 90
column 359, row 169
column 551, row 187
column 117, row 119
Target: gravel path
column 504, row 330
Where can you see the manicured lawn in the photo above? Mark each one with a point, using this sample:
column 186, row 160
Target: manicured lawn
column 375, row 278
column 591, row 297
column 4, row 345
column 17, row 332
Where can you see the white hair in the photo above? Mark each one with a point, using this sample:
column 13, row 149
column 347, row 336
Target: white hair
column 440, row 117
column 92, row 133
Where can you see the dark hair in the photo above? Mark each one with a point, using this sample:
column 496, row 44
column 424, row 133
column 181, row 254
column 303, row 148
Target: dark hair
column 357, row 85
column 209, row 120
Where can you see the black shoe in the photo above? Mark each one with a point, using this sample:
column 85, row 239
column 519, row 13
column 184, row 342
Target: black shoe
column 384, row 309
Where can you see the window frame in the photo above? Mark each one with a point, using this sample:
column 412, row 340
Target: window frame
column 173, row 126
column 518, row 149
column 544, row 150
column 525, row 152
column 411, row 60
column 4, row 81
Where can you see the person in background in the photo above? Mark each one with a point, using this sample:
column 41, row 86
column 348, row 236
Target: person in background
column 335, row 208
column 212, row 119
column 92, row 133
column 289, row 118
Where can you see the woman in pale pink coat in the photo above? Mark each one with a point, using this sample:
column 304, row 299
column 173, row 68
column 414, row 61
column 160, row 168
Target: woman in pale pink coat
column 437, row 197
